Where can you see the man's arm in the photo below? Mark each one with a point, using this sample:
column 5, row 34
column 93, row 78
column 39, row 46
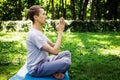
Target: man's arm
column 51, row 43
column 55, row 49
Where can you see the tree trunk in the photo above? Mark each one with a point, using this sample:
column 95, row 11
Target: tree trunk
column 80, row 9
column 98, row 10
column 110, row 12
column 64, row 8
column 72, row 9
column 92, row 17
column 84, row 9
column 19, row 10
column 112, row 9
column 53, row 9
column 48, row 7
column 115, row 10
column 57, row 11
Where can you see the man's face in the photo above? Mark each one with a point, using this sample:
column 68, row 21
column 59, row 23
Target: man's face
column 42, row 17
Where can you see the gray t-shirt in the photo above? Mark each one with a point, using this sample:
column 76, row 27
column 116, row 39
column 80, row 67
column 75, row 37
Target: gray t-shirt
column 34, row 42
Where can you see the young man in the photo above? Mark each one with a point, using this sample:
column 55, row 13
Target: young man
column 39, row 64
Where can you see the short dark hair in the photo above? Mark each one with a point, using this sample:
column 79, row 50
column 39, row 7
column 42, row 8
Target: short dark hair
column 34, row 10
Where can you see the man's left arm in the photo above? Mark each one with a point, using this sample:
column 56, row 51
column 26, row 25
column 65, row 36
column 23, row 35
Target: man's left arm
column 51, row 43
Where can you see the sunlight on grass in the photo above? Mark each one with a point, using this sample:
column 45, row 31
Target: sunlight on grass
column 113, row 51
column 94, row 55
column 99, row 41
column 4, row 77
column 104, row 42
column 101, row 36
column 14, row 36
column 117, row 37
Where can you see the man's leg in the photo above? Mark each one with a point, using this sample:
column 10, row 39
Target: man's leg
column 61, row 55
column 64, row 54
column 58, row 64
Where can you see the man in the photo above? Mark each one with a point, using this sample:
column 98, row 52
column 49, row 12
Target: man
column 39, row 64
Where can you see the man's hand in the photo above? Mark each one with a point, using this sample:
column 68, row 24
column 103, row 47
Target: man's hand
column 60, row 26
column 54, row 49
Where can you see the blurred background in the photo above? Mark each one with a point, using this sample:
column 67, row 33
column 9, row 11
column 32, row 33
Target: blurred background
column 69, row 9
column 92, row 35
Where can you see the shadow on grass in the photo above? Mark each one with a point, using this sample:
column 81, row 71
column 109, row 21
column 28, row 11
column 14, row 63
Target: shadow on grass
column 11, row 51
column 2, row 34
column 7, row 71
column 88, row 63
column 95, row 67
column 11, row 58
column 99, row 38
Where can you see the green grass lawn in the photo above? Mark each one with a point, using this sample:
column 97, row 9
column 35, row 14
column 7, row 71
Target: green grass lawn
column 95, row 56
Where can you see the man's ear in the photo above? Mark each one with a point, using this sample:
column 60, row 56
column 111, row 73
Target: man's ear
column 35, row 17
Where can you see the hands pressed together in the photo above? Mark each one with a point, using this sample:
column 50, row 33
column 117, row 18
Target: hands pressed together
column 61, row 25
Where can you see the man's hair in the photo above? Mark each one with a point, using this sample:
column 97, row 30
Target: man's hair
column 34, row 10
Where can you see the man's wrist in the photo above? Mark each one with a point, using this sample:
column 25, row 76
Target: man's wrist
column 60, row 32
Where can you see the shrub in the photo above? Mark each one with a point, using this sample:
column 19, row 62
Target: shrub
column 95, row 26
column 72, row 25
column 15, row 26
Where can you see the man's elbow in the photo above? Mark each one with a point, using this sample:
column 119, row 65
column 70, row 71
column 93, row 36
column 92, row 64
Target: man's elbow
column 55, row 52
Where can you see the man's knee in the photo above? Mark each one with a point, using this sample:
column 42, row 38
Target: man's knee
column 67, row 62
column 67, row 53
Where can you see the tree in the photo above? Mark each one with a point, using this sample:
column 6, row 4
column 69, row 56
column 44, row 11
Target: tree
column 112, row 6
column 19, row 10
column 92, row 17
column 53, row 9
column 64, row 8
column 99, row 9
column 11, row 10
column 80, row 9
column 72, row 3
column 69, row 9
column 84, row 9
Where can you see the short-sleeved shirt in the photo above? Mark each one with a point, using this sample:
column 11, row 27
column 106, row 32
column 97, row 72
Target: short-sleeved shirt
column 35, row 41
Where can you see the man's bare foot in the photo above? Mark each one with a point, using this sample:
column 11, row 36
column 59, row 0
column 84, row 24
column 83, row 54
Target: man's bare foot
column 58, row 75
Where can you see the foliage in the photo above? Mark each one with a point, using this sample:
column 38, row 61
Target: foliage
column 71, row 25
column 95, row 26
column 11, row 10
column 11, row 49
column 95, row 56
column 69, row 9
column 15, row 26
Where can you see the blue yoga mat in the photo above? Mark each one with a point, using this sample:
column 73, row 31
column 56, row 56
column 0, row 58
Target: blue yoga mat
column 22, row 74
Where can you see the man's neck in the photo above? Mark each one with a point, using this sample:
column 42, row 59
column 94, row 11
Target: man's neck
column 37, row 26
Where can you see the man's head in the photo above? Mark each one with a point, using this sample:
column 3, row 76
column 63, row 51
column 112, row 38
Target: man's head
column 36, row 13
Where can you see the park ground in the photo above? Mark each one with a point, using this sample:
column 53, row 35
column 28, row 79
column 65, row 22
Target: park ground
column 95, row 56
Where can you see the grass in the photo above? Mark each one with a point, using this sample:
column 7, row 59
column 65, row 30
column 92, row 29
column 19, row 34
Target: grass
column 95, row 56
